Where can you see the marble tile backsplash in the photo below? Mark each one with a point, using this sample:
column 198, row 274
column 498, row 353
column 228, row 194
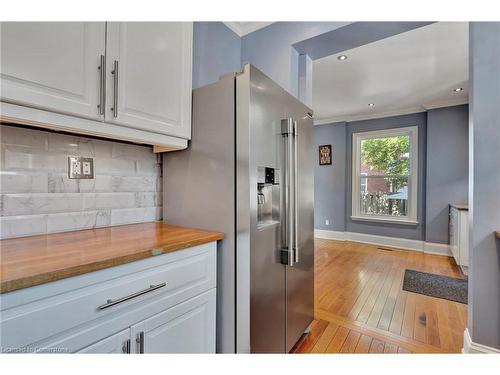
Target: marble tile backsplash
column 38, row 197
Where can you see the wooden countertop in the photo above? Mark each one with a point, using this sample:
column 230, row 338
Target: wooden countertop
column 497, row 234
column 29, row 261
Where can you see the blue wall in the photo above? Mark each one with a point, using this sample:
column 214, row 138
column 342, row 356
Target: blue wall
column 329, row 180
column 270, row 49
column 413, row 232
column 484, row 183
column 447, row 167
column 443, row 170
column 216, row 51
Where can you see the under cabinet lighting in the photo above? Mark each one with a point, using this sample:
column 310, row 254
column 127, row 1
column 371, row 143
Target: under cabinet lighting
column 342, row 57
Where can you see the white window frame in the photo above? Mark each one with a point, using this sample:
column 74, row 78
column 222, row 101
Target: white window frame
column 357, row 138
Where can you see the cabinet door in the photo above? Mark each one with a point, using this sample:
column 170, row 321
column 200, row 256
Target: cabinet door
column 151, row 88
column 53, row 65
column 118, row 343
column 186, row 328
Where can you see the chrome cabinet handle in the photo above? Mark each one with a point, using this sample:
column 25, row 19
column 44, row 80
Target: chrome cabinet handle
column 102, row 84
column 115, row 89
column 126, row 347
column 111, row 302
column 140, row 341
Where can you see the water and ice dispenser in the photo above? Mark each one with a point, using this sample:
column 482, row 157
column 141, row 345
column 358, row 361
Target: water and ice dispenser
column 268, row 196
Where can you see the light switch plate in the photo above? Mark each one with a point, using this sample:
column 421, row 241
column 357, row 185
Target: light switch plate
column 79, row 167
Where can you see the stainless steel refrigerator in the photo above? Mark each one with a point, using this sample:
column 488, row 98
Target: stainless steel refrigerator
column 248, row 172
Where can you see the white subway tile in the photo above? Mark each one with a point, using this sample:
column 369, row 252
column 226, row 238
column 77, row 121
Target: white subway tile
column 133, row 215
column 63, row 222
column 98, row 201
column 63, row 144
column 120, row 167
column 94, row 148
column 100, row 183
column 23, row 182
column 61, row 183
column 33, row 204
column 24, row 159
column 17, row 136
column 134, row 183
column 133, row 152
column 146, row 199
column 18, row 226
column 147, row 168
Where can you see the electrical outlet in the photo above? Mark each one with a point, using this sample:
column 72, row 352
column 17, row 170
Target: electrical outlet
column 79, row 167
column 327, row 222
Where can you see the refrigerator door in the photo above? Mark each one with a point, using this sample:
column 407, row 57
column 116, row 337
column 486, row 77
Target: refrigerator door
column 258, row 137
column 300, row 276
column 281, row 297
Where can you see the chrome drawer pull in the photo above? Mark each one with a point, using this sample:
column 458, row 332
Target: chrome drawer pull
column 129, row 297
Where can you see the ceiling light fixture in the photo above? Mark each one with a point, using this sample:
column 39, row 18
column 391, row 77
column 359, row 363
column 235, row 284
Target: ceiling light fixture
column 371, row 104
column 342, row 57
column 458, row 89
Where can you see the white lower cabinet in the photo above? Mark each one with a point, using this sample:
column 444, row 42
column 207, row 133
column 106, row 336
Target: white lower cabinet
column 185, row 328
column 162, row 304
column 117, row 343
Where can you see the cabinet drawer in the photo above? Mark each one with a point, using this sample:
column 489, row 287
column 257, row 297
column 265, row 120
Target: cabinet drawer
column 185, row 274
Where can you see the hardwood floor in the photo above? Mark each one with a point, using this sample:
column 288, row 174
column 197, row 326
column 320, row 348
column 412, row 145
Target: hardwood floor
column 360, row 306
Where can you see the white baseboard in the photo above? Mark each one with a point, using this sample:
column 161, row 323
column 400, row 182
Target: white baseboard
column 437, row 248
column 400, row 243
column 330, row 235
column 471, row 347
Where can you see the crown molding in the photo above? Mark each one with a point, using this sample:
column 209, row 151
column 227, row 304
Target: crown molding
column 244, row 28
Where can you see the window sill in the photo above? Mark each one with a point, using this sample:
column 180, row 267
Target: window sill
column 384, row 220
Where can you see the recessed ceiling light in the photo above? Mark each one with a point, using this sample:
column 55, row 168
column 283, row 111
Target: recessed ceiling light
column 371, row 104
column 458, row 89
column 342, row 57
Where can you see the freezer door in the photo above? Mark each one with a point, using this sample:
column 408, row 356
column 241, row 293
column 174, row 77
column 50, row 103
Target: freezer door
column 300, row 276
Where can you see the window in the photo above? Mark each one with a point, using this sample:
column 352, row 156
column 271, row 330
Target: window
column 384, row 178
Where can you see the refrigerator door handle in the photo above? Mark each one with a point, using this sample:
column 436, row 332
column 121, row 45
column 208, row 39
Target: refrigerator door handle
column 295, row 193
column 287, row 214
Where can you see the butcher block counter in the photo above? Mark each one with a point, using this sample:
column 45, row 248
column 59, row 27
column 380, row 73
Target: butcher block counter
column 35, row 260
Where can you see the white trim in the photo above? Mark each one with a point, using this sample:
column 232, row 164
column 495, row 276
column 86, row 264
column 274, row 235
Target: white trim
column 437, row 249
column 471, row 347
column 385, row 219
column 330, row 235
column 243, row 28
column 357, row 138
column 394, row 242
column 400, row 243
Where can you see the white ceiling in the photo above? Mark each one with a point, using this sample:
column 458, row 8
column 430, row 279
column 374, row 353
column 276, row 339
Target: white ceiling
column 244, row 28
column 406, row 73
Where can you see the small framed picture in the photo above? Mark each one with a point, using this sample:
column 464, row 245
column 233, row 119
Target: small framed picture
column 325, row 155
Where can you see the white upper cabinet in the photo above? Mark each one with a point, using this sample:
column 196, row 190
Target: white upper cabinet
column 149, row 70
column 53, row 65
